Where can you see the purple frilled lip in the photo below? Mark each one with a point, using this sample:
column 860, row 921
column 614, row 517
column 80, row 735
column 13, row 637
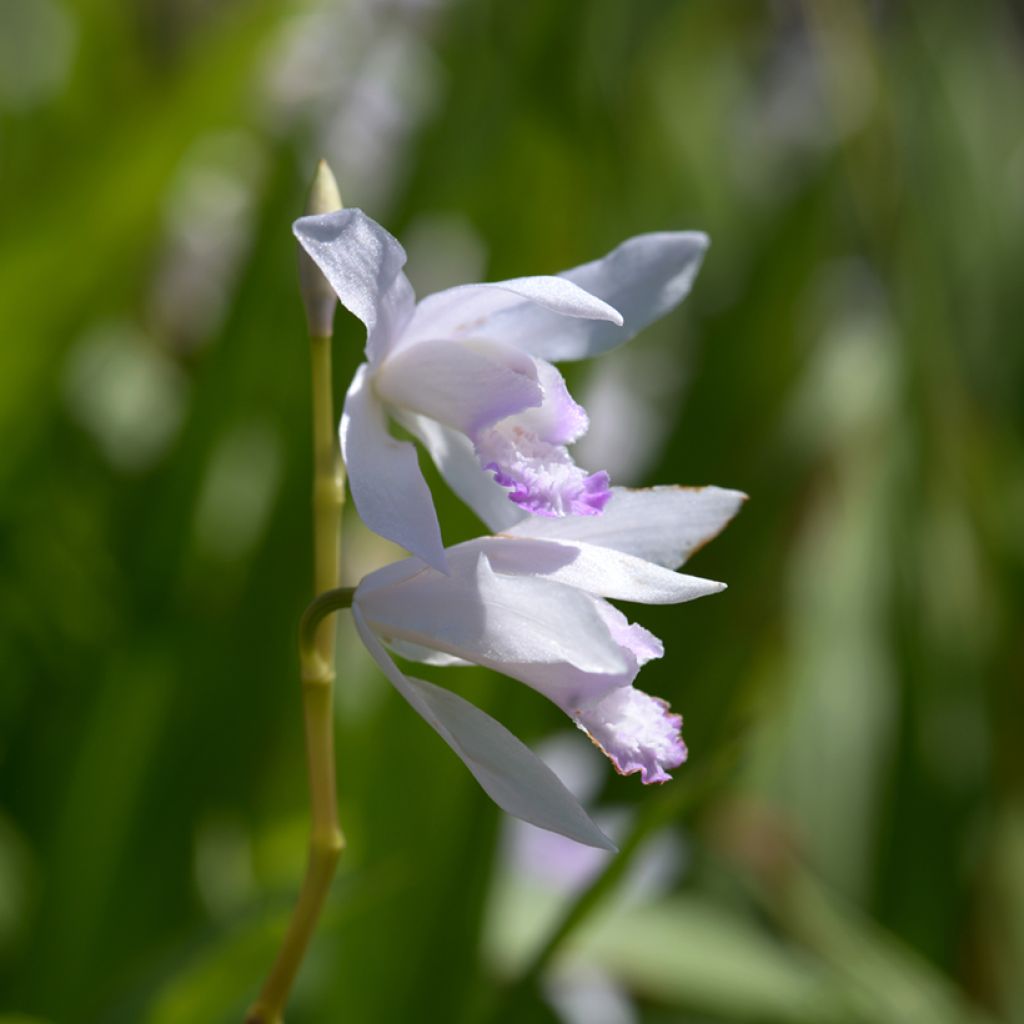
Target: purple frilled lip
column 527, row 453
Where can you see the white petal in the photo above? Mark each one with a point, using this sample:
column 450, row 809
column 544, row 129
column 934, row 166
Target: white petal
column 597, row 570
column 644, row 278
column 511, row 775
column 549, row 636
column 488, row 618
column 454, row 456
column 468, row 310
column 363, row 263
column 664, row 525
column 391, row 496
column 467, row 385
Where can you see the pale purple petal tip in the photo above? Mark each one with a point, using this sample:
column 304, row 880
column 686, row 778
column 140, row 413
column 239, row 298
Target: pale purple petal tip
column 559, row 419
column 637, row 732
column 641, row 643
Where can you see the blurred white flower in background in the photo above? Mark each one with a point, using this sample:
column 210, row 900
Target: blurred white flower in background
column 365, row 76
column 208, row 215
column 632, row 397
column 238, row 490
column 540, row 873
column 125, row 391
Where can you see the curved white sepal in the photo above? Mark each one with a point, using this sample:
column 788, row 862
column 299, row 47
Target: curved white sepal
column 664, row 525
column 363, row 262
column 643, row 278
column 509, row 772
column 458, row 463
column 391, row 496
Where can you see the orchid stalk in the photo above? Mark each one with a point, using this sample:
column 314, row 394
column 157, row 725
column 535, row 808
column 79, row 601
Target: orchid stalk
column 469, row 373
column 316, row 646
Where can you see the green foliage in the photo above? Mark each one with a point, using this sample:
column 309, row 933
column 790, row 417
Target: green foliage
column 850, row 357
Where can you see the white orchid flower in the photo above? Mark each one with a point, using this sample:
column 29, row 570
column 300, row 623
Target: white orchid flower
column 532, row 604
column 466, row 371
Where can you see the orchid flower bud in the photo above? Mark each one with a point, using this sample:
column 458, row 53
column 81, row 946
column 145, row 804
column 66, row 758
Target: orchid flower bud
column 318, row 296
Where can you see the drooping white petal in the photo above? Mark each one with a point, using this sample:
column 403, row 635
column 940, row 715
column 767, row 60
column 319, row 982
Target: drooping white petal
column 468, row 310
column 643, row 278
column 596, row 570
column 664, row 525
column 549, row 636
column 363, row 263
column 511, row 775
column 467, row 385
column 388, row 488
column 455, row 457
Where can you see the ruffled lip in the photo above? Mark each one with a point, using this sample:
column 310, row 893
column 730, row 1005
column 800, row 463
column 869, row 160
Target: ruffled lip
column 637, row 732
column 542, row 477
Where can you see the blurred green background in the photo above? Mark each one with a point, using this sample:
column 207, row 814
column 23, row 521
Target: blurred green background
column 846, row 843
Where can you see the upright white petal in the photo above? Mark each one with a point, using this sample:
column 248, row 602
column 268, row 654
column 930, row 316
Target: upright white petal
column 596, row 570
column 643, row 278
column 664, row 525
column 467, row 385
column 468, row 310
column 511, row 775
column 363, row 263
column 388, row 488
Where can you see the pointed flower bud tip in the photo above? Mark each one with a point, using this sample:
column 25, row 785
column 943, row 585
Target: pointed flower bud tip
column 317, row 295
column 324, row 196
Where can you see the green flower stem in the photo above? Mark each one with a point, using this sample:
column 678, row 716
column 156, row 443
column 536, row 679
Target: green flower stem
column 317, row 660
column 320, row 607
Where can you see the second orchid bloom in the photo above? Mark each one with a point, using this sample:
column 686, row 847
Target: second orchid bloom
column 533, row 605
